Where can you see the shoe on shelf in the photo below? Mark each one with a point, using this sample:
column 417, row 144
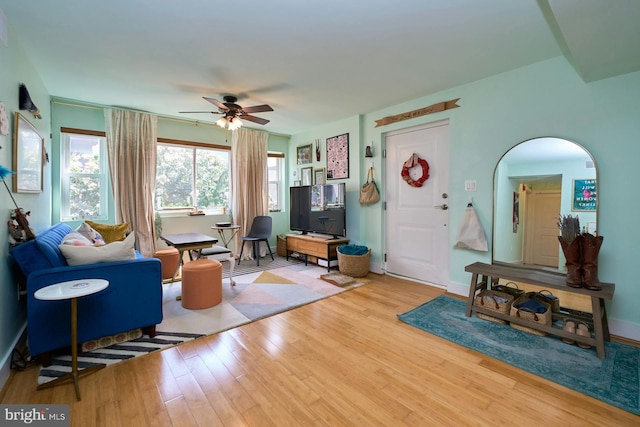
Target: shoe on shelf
column 569, row 326
column 583, row 330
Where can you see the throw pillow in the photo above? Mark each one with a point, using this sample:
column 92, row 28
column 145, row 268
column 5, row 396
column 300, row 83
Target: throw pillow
column 91, row 234
column 110, row 233
column 74, row 238
column 116, row 251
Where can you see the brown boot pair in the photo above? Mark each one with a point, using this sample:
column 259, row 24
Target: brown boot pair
column 581, row 256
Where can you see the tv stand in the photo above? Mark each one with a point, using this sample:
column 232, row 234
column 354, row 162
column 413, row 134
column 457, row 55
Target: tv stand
column 319, row 247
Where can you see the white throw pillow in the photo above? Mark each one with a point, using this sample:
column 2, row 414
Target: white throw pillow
column 74, row 238
column 116, row 251
column 91, row 234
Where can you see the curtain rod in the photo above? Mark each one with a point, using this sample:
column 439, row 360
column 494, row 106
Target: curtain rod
column 168, row 118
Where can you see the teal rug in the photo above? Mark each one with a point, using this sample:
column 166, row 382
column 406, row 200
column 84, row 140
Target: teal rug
column 614, row 380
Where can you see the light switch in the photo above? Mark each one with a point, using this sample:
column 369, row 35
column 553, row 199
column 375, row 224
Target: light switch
column 470, row 185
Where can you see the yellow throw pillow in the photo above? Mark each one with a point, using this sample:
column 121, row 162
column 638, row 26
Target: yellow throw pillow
column 110, row 233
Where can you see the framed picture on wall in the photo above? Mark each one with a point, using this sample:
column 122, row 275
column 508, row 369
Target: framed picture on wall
column 28, row 157
column 304, row 154
column 338, row 157
column 306, row 176
column 584, row 196
column 319, row 177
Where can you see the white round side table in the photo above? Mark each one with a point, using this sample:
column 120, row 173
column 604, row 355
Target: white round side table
column 72, row 290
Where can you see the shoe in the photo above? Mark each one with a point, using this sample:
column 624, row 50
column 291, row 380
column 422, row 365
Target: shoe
column 583, row 330
column 569, row 326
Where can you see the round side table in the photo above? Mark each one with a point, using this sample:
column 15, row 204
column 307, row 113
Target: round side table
column 72, row 290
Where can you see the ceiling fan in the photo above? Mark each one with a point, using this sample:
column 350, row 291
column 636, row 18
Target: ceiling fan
column 232, row 112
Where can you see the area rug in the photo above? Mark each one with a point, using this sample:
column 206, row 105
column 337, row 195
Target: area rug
column 614, row 380
column 61, row 365
column 254, row 297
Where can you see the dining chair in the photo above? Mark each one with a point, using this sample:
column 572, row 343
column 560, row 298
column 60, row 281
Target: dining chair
column 260, row 232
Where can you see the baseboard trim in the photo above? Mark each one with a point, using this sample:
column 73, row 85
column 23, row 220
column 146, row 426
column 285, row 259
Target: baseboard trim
column 5, row 366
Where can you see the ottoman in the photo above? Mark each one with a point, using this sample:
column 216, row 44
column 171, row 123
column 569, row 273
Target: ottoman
column 201, row 284
column 170, row 260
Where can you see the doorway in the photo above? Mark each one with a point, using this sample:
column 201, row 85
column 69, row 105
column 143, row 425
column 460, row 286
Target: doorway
column 417, row 218
column 541, row 228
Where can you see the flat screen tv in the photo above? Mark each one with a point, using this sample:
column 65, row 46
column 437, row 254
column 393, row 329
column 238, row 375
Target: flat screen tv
column 318, row 209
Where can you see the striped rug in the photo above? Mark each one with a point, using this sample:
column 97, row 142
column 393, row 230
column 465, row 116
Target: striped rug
column 61, row 365
column 249, row 266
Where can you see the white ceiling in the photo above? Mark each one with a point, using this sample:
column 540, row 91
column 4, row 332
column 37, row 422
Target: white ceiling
column 313, row 61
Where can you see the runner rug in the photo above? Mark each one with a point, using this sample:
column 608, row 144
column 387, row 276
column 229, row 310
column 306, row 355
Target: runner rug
column 615, row 380
column 255, row 296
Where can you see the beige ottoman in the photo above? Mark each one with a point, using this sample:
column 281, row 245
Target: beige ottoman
column 201, row 284
column 170, row 259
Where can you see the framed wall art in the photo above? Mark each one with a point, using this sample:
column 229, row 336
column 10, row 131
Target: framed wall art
column 584, row 195
column 306, row 176
column 304, row 154
column 28, row 156
column 338, row 157
column 319, row 176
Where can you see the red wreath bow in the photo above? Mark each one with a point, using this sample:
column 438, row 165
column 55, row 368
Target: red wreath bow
column 412, row 162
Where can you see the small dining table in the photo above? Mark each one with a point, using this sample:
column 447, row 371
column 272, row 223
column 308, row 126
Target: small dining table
column 191, row 242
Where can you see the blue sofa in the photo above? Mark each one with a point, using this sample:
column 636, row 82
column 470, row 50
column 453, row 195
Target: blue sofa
column 132, row 300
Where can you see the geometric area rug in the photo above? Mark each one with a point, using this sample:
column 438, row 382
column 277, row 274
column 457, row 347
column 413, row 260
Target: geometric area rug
column 255, row 296
column 614, row 380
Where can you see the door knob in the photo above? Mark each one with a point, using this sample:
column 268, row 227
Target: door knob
column 443, row 207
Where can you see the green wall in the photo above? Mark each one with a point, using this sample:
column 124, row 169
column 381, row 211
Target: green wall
column 15, row 68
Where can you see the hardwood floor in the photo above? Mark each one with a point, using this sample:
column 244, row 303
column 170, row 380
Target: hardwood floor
column 342, row 361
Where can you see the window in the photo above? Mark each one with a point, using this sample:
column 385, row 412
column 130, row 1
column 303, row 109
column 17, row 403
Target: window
column 84, row 176
column 192, row 175
column 275, row 165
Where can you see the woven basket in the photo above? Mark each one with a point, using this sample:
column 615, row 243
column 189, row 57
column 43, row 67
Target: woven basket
column 282, row 246
column 540, row 318
column 487, row 299
column 354, row 265
column 510, row 287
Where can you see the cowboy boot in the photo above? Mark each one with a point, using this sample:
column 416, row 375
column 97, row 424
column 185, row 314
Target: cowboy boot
column 574, row 265
column 590, row 248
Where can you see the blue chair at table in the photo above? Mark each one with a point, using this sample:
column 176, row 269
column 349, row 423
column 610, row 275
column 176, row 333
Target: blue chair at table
column 260, row 232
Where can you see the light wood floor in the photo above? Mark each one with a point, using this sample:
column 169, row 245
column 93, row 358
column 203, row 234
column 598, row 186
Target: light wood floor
column 342, row 361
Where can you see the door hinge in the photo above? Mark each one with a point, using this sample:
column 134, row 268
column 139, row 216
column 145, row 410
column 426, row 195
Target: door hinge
column 385, row 257
column 384, row 206
column 384, row 153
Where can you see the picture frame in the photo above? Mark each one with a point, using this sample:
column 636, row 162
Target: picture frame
column 319, row 176
column 338, row 157
column 297, row 183
column 304, row 154
column 584, row 195
column 306, row 176
column 28, row 157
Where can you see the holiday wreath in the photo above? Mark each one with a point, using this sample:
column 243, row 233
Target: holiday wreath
column 414, row 161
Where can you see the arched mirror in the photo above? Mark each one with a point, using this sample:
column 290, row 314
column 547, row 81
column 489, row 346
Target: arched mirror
column 535, row 183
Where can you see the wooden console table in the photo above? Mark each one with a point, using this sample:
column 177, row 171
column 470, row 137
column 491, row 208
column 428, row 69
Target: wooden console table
column 485, row 275
column 314, row 246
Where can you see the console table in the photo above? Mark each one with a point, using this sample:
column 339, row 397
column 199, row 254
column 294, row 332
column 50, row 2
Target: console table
column 485, row 275
column 315, row 246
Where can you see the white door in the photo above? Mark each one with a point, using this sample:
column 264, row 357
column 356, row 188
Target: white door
column 416, row 218
column 541, row 232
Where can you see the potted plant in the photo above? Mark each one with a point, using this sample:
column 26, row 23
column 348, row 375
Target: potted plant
column 570, row 240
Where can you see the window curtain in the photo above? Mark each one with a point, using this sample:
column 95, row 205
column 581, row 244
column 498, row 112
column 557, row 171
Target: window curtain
column 250, row 191
column 131, row 145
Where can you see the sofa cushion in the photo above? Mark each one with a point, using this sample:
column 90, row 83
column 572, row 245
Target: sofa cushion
column 91, row 234
column 110, row 233
column 116, row 251
column 42, row 252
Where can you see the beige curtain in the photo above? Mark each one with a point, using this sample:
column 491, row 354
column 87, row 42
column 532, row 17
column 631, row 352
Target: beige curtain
column 131, row 144
column 250, row 192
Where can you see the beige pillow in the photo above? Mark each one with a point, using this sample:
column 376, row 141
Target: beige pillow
column 110, row 233
column 116, row 251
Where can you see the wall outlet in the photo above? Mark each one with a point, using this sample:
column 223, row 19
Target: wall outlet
column 470, row 185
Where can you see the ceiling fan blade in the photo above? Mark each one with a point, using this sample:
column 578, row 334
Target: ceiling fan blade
column 254, row 119
column 257, row 109
column 192, row 112
column 217, row 103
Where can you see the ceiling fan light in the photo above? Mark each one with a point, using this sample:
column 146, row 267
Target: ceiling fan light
column 222, row 122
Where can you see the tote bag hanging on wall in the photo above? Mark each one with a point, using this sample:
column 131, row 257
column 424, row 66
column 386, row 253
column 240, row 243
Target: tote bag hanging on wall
column 470, row 233
column 369, row 193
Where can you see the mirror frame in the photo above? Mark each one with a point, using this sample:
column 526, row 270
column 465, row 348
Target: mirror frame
column 493, row 223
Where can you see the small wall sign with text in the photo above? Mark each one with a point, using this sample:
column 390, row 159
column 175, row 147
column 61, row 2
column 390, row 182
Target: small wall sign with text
column 584, row 195
column 435, row 108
